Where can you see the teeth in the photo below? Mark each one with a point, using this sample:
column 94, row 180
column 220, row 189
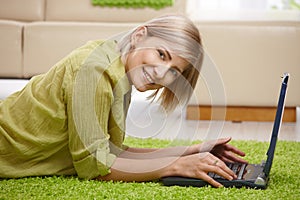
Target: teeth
column 148, row 77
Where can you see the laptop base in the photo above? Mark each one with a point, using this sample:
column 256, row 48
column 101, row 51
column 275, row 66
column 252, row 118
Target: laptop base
column 253, row 178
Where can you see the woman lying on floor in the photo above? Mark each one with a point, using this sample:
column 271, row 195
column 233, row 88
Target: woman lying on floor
column 71, row 120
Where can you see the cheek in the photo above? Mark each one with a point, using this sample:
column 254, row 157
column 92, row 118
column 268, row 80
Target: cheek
column 134, row 59
column 134, row 75
column 145, row 56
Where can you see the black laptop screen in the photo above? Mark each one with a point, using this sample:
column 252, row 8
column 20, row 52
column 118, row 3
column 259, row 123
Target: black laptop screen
column 277, row 123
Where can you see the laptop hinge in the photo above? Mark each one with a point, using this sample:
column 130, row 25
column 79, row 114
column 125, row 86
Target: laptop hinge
column 261, row 179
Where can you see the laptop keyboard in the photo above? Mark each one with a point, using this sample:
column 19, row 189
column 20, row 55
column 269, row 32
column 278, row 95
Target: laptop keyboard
column 237, row 168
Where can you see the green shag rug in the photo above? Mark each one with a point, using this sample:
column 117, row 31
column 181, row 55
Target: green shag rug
column 284, row 182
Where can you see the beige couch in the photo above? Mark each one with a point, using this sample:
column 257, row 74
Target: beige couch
column 35, row 34
column 249, row 56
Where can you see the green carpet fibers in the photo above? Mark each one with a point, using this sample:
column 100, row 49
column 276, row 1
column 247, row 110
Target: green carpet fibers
column 284, row 183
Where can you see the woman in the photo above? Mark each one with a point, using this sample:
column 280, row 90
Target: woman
column 70, row 121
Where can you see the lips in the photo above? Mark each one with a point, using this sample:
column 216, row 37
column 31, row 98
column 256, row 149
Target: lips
column 148, row 77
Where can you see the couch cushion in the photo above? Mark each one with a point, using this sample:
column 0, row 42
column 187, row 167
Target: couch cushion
column 84, row 10
column 48, row 42
column 24, row 10
column 249, row 59
column 11, row 49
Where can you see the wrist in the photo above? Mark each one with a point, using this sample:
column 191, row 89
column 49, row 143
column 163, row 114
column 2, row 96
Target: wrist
column 172, row 169
column 194, row 149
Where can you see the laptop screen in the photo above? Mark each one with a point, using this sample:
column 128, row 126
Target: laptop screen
column 277, row 123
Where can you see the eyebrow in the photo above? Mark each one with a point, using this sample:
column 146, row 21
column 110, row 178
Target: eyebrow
column 168, row 53
column 170, row 57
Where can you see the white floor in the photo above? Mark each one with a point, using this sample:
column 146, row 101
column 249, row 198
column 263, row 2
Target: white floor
column 9, row 86
column 145, row 121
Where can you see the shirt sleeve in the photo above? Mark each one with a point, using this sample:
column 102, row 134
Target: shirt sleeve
column 96, row 115
column 89, row 140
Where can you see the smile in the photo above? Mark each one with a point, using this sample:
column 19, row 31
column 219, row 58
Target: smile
column 148, row 77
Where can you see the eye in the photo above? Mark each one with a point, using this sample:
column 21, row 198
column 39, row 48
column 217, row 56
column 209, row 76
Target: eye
column 174, row 72
column 161, row 54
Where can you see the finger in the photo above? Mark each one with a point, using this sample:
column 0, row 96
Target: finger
column 223, row 170
column 225, row 159
column 229, row 157
column 219, row 167
column 225, row 140
column 220, row 141
column 234, row 150
column 211, row 181
column 209, row 145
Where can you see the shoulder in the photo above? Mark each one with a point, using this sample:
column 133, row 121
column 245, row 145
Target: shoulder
column 104, row 57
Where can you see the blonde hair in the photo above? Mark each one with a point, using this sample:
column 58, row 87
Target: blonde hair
column 183, row 39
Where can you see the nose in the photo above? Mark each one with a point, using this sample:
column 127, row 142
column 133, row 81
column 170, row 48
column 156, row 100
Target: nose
column 160, row 71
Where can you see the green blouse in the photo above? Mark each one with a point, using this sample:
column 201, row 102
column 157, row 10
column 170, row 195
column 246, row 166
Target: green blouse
column 70, row 120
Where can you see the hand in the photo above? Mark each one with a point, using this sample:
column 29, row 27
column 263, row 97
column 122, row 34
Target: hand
column 224, row 151
column 198, row 166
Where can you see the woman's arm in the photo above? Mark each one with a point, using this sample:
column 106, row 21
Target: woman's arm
column 138, row 170
column 195, row 161
column 219, row 148
column 151, row 153
column 195, row 166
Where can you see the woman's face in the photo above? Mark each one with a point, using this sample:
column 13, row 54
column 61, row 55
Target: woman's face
column 151, row 66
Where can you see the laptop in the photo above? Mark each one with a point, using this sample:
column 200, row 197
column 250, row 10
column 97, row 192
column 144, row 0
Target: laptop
column 249, row 175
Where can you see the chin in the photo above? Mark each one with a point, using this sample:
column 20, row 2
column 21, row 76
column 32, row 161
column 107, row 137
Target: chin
column 140, row 86
column 141, row 89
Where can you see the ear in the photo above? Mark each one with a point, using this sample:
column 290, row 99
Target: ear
column 138, row 35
